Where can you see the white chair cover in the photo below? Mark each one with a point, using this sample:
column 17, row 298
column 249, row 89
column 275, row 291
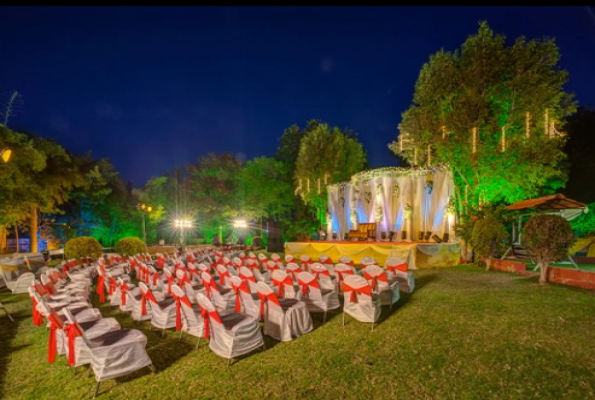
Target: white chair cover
column 163, row 313
column 245, row 301
column 230, row 335
column 317, row 299
column 359, row 300
column 378, row 279
column 397, row 269
column 222, row 298
column 284, row 286
column 116, row 353
column 284, row 319
column 190, row 316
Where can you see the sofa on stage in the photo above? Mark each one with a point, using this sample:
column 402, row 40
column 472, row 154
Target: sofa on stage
column 418, row 255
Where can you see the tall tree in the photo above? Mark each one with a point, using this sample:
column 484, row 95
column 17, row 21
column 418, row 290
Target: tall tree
column 215, row 189
column 16, row 181
column 581, row 155
column 327, row 155
column 492, row 112
column 265, row 191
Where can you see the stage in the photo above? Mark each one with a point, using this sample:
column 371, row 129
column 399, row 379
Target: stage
column 417, row 254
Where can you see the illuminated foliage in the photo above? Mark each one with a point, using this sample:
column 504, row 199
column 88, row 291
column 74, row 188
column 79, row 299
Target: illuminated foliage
column 130, row 246
column 327, row 155
column 491, row 111
column 84, row 246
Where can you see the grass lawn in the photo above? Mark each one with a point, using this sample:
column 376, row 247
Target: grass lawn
column 464, row 333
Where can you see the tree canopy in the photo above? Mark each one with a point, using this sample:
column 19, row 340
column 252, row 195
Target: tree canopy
column 492, row 112
column 327, row 155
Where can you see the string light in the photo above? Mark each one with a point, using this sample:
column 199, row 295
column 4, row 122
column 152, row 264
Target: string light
column 443, row 131
column 308, row 187
column 318, row 184
column 415, row 156
column 386, row 172
column 528, row 125
column 429, row 155
column 546, row 124
column 503, row 139
column 326, row 176
column 474, row 149
column 299, row 188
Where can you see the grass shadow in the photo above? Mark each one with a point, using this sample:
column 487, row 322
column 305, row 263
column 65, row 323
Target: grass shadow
column 8, row 330
column 405, row 298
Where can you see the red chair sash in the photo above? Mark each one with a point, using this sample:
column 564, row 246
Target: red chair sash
column 123, row 289
column 317, row 273
column 170, row 280
column 265, row 298
column 101, row 288
column 72, row 332
column 354, row 291
column 206, row 318
column 148, row 295
column 400, row 267
column 305, row 286
column 375, row 279
column 56, row 323
column 179, row 300
column 36, row 315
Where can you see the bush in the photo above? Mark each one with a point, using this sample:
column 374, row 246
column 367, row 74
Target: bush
column 84, row 246
column 489, row 239
column 257, row 242
column 548, row 238
column 584, row 224
column 130, row 246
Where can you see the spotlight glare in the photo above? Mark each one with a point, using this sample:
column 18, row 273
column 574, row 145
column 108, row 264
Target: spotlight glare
column 240, row 224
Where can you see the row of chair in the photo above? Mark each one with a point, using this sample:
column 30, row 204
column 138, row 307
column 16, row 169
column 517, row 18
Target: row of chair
column 79, row 332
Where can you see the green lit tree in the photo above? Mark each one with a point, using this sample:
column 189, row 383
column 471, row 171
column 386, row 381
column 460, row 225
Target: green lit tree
column 492, row 112
column 266, row 193
column 327, row 155
column 214, row 187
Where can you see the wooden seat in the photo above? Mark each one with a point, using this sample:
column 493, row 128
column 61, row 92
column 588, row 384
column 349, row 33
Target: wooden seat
column 364, row 231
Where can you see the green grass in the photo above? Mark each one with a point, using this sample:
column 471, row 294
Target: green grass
column 464, row 334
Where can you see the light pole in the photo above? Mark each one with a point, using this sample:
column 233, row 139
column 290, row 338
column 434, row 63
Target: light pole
column 182, row 224
column 144, row 209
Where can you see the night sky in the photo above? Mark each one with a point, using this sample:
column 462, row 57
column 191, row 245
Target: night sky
column 153, row 88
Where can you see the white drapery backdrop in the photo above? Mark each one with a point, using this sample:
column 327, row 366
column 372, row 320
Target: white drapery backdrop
column 385, row 195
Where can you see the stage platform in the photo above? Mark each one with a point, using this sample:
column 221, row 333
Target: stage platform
column 417, row 254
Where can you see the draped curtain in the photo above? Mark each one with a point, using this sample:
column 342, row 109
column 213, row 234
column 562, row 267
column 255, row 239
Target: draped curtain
column 428, row 207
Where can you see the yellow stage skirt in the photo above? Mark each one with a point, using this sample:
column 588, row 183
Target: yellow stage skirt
column 429, row 256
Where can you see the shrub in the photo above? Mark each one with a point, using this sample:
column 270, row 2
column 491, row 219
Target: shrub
column 130, row 246
column 489, row 239
column 584, row 224
column 548, row 238
column 84, row 246
column 257, row 242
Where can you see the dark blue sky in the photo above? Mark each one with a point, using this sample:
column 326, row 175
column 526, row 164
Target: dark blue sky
column 152, row 88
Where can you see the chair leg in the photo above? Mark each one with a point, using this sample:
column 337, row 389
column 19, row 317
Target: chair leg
column 372, row 325
column 181, row 331
column 228, row 362
column 264, row 345
column 343, row 319
column 197, row 343
column 96, row 390
column 152, row 368
column 324, row 318
column 163, row 333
